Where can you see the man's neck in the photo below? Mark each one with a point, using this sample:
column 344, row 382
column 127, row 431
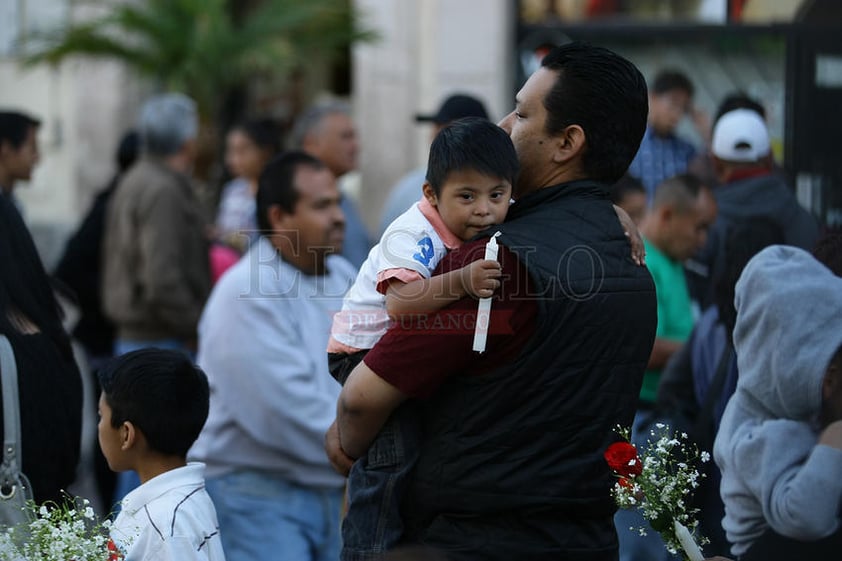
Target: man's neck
column 653, row 233
column 7, row 182
column 556, row 177
column 309, row 263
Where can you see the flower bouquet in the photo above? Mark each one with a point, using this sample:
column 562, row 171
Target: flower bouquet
column 658, row 482
column 69, row 531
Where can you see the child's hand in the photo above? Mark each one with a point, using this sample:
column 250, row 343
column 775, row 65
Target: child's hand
column 481, row 278
column 638, row 252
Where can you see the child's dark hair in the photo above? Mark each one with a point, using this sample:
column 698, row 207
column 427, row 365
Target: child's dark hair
column 162, row 393
column 472, row 143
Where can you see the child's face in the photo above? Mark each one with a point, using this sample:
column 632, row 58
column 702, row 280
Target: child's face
column 110, row 438
column 470, row 203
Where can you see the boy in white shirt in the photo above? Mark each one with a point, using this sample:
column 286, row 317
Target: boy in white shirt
column 470, row 173
column 153, row 405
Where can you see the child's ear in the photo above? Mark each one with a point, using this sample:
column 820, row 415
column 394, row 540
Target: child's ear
column 128, row 435
column 429, row 193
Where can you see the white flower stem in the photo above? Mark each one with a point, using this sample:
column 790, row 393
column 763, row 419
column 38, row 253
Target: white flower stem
column 687, row 542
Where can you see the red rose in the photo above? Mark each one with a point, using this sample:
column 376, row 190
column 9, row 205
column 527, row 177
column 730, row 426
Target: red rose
column 113, row 551
column 622, row 458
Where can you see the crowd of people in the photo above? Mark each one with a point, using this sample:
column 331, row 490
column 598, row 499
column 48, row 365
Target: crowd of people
column 276, row 385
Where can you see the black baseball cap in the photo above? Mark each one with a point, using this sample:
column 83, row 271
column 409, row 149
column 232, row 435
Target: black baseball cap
column 455, row 107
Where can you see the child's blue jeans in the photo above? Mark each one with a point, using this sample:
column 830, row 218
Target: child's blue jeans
column 377, row 481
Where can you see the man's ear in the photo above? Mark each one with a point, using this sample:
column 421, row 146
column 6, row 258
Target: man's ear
column 429, row 193
column 570, row 144
column 128, row 435
column 277, row 217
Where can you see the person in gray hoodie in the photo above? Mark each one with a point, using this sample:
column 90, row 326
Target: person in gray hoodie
column 779, row 445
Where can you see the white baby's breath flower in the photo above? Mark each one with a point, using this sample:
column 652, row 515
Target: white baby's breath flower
column 668, row 476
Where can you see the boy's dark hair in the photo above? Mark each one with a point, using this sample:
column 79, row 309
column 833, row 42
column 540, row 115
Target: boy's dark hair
column 739, row 100
column 276, row 185
column 606, row 95
column 471, row 143
column 627, row 185
column 264, row 132
column 669, row 80
column 14, row 127
column 162, row 393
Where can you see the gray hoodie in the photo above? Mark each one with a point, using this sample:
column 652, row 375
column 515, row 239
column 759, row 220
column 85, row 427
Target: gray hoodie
column 789, row 325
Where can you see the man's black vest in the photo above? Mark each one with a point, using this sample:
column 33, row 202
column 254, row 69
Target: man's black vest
column 512, row 462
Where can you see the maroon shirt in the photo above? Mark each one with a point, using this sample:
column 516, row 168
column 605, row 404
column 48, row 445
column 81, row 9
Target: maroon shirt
column 421, row 351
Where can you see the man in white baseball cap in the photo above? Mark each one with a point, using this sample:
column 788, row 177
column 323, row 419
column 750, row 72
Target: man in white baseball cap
column 750, row 188
column 741, row 136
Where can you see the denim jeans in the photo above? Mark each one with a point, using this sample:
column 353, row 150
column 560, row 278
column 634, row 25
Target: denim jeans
column 263, row 516
column 372, row 523
column 376, row 487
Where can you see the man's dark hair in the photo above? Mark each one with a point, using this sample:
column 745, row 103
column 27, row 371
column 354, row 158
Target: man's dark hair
column 681, row 191
column 128, row 150
column 828, row 250
column 264, row 132
column 276, row 185
column 606, row 95
column 162, row 393
column 739, row 100
column 626, row 185
column 670, row 80
column 471, row 143
column 14, row 126
column 743, row 240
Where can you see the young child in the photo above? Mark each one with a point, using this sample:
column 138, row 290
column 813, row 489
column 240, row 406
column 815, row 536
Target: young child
column 471, row 169
column 779, row 445
column 154, row 403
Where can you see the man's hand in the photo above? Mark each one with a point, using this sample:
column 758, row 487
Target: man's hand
column 633, row 234
column 481, row 278
column 340, row 461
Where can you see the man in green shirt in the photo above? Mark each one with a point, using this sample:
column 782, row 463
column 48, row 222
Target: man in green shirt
column 682, row 211
column 675, row 228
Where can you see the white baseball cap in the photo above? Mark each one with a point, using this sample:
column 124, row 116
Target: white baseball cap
column 740, row 136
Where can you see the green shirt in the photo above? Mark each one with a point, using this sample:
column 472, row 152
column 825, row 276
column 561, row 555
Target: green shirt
column 675, row 311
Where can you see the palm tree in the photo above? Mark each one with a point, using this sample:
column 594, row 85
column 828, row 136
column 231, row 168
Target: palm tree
column 201, row 47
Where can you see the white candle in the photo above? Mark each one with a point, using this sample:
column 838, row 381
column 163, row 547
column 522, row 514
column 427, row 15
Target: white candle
column 687, row 542
column 484, row 306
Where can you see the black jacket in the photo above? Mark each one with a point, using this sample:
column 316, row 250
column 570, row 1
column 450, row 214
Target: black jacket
column 512, row 462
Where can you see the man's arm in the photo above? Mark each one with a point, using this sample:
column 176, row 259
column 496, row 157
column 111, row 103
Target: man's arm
column 363, row 407
column 662, row 351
